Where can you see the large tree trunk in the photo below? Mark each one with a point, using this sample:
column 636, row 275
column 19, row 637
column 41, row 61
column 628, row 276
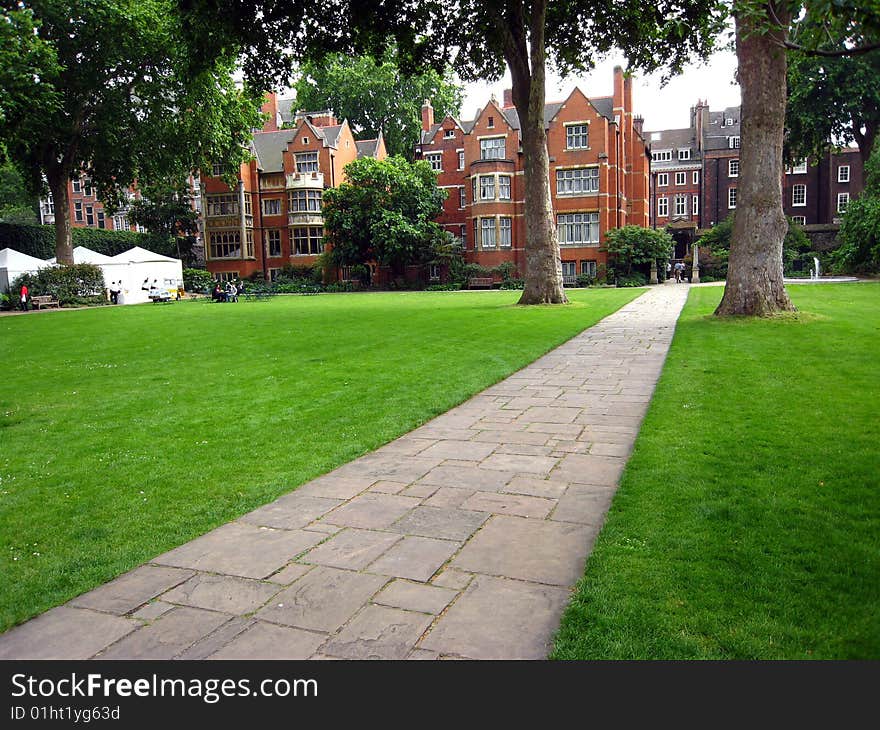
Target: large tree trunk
column 543, row 274
column 61, row 199
column 754, row 274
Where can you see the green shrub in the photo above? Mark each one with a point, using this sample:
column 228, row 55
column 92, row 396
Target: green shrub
column 39, row 241
column 197, row 279
column 443, row 287
column 512, row 284
column 636, row 278
column 73, row 286
column 585, row 280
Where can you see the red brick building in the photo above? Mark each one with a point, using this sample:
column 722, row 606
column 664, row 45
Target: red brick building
column 273, row 216
column 598, row 171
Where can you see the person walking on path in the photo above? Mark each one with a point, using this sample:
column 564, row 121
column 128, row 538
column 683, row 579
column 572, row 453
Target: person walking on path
column 25, row 297
column 679, row 272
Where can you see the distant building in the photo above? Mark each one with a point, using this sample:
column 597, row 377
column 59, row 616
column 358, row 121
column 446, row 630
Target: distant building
column 272, row 216
column 695, row 174
column 598, row 174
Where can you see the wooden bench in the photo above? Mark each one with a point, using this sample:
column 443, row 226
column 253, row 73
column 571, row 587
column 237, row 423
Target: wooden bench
column 476, row 282
column 45, row 300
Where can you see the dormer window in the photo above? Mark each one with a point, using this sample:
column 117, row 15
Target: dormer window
column 684, row 154
column 491, row 123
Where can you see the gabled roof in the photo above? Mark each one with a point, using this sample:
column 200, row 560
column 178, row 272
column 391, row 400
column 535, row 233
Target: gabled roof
column 367, row 147
column 286, row 110
column 329, row 134
column 12, row 259
column 138, row 255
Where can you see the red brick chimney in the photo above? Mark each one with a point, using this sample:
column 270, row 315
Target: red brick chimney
column 508, row 98
column 638, row 124
column 270, row 107
column 427, row 116
column 618, row 90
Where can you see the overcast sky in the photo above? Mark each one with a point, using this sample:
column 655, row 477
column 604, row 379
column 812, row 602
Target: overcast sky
column 665, row 107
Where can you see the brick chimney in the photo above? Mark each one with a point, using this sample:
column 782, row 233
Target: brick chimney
column 508, row 98
column 427, row 115
column 270, row 107
column 618, row 90
column 638, row 124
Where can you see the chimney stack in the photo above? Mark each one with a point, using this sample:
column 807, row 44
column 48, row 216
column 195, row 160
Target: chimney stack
column 427, row 116
column 638, row 124
column 508, row 98
column 270, row 107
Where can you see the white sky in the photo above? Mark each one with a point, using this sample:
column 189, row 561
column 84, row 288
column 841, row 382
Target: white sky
column 665, row 107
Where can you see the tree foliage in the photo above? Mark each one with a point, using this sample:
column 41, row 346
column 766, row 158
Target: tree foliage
column 831, row 100
column 16, row 204
column 375, row 96
column 634, row 246
column 384, row 212
column 119, row 98
column 860, row 230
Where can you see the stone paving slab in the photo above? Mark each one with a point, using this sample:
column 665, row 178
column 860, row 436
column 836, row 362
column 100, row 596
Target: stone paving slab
column 461, row 539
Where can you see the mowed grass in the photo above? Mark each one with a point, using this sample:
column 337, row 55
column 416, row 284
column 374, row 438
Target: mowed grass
column 747, row 523
column 127, row 431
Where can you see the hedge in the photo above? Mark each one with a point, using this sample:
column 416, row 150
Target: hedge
column 39, row 241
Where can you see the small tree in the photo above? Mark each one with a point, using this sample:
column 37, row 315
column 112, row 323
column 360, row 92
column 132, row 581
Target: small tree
column 384, row 212
column 634, row 246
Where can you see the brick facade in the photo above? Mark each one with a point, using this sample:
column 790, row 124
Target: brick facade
column 598, row 175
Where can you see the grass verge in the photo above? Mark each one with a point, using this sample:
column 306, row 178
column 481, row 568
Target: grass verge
column 747, row 523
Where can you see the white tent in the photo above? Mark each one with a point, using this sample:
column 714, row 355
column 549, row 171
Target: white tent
column 142, row 268
column 14, row 263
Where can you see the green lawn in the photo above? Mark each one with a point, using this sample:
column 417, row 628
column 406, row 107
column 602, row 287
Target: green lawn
column 127, row 431
column 747, row 523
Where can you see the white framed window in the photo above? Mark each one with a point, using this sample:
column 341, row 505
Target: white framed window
column 476, row 234
column 461, row 159
column 120, row 222
column 505, row 232
column 307, row 162
column 449, row 133
column 681, row 178
column 78, row 211
column 661, row 155
column 662, row 207
column 273, row 274
column 733, row 143
column 842, row 202
column 684, row 154
column 801, row 220
column 578, row 229
column 504, row 187
column 224, row 244
column 88, row 190
column 577, row 181
column 491, row 123
column 222, row 205
column 217, row 169
column 733, row 168
column 569, row 269
column 493, row 148
column 304, row 201
column 308, row 240
column 799, row 195
column 577, row 136
column 273, row 242
column 487, row 187
column 77, row 185
column 662, row 179
column 100, row 215
column 305, row 140
column 487, row 226
column 272, row 206
column 225, row 275
column 681, row 205
column 435, row 160
column 696, row 177
column 843, row 174
column 462, row 197
column 799, row 168
column 731, row 198
column 434, row 272
column 90, row 215
column 588, row 268
column 695, row 204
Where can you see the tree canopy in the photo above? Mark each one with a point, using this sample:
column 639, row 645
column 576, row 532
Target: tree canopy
column 119, row 97
column 376, row 96
column 384, row 212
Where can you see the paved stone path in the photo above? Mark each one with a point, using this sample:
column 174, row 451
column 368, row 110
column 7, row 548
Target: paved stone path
column 460, row 539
